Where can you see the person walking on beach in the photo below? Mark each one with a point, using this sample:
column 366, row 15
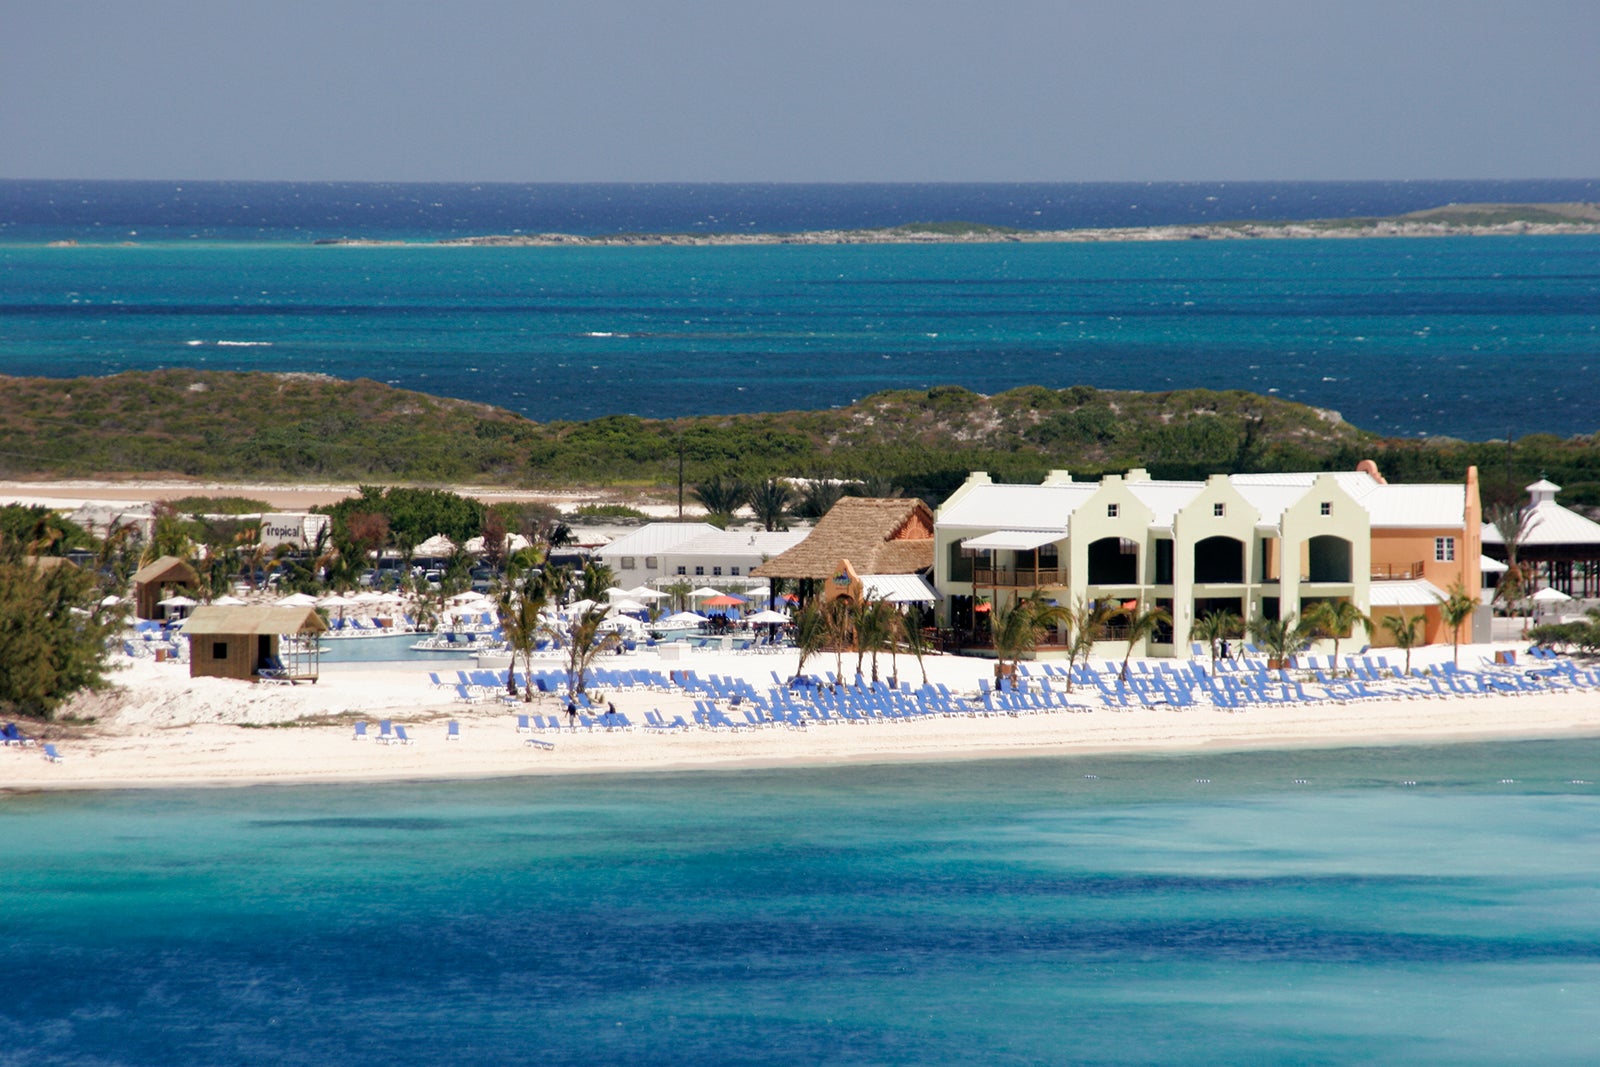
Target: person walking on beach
column 572, row 713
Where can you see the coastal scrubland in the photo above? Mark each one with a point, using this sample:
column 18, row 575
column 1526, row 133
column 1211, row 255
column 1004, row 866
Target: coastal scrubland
column 297, row 427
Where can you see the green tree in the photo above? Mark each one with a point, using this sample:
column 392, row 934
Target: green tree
column 721, row 499
column 811, row 631
column 522, row 607
column 1281, row 639
column 1513, row 524
column 874, row 632
column 1407, row 634
column 596, row 579
column 587, row 642
column 818, row 494
column 53, row 633
column 1456, row 609
column 908, row 628
column 1214, row 627
column 1337, row 619
column 1142, row 622
column 770, row 500
column 1086, row 624
column 1017, row 629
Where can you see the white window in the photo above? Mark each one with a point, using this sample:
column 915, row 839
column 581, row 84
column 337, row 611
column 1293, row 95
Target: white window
column 627, row 563
column 1327, row 507
column 1219, row 510
column 1113, row 510
column 1444, row 549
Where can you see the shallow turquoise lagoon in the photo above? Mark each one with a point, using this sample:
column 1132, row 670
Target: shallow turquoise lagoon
column 1299, row 908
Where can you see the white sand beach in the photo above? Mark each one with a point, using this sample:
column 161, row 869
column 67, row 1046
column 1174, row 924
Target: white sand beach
column 159, row 728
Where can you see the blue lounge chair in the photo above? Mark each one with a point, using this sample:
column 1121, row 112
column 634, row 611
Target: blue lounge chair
column 452, row 731
column 400, row 736
column 522, row 724
column 534, row 742
column 385, row 731
column 361, row 732
column 51, row 754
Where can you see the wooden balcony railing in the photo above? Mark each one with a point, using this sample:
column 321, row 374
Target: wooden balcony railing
column 1018, row 577
column 1396, row 572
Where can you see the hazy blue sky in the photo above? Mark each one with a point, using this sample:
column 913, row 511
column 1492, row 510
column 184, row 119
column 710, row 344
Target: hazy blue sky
column 743, row 90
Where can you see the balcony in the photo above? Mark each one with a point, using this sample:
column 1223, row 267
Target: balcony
column 1397, row 572
column 1018, row 577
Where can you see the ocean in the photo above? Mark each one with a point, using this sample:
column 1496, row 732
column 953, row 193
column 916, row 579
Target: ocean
column 1414, row 905
column 1466, row 337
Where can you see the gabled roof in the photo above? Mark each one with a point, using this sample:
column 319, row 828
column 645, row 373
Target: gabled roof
column 168, row 569
column 253, row 619
column 1018, row 507
column 1550, row 524
column 654, row 538
column 722, row 543
column 866, row 531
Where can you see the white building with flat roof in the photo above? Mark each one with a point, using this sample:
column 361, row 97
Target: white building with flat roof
column 661, row 553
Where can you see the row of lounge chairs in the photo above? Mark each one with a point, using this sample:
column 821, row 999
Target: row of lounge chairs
column 11, row 736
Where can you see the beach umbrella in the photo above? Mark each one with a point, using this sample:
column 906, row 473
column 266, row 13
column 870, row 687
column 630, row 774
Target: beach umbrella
column 110, row 601
column 722, row 600
column 435, row 547
column 227, row 602
column 578, row 607
column 462, row 598
column 769, row 617
column 300, row 600
column 615, row 591
column 682, row 618
column 705, row 591
column 179, row 601
column 1543, row 596
column 644, row 592
column 627, row 605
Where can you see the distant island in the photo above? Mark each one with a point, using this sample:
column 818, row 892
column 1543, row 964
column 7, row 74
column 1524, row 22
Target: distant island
column 1451, row 220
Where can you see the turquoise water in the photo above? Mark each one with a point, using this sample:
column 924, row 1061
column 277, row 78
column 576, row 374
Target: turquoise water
column 1264, row 908
column 1470, row 337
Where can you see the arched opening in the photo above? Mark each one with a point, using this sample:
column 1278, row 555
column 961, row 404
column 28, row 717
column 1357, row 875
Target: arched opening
column 1114, row 561
column 1219, row 559
column 1328, row 559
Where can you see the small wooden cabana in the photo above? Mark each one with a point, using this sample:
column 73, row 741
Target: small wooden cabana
column 249, row 643
column 151, row 582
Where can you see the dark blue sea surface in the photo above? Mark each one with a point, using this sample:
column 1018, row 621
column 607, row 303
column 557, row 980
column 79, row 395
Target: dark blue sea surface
column 1467, row 337
column 1395, row 906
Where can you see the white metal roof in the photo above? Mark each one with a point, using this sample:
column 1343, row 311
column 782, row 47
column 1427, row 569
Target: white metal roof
column 1551, row 524
column 722, row 543
column 1491, row 566
column 1016, row 540
column 1165, row 499
column 1431, row 505
column 898, row 588
column 1038, row 507
column 1413, row 593
column 654, row 538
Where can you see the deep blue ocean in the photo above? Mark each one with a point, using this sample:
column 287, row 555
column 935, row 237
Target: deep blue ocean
column 1384, row 906
column 1469, row 337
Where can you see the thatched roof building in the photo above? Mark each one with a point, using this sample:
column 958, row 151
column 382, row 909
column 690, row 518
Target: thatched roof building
column 151, row 582
column 877, row 536
column 246, row 643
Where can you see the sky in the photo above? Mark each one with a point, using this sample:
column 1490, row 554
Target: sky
column 751, row 90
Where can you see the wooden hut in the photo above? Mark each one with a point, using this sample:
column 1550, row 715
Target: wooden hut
column 866, row 535
column 152, row 581
column 248, row 643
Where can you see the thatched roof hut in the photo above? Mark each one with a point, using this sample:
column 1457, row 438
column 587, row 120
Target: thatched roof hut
column 876, row 535
column 151, row 582
column 246, row 643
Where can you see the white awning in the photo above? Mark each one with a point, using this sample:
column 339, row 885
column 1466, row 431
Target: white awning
column 1016, row 540
column 898, row 588
column 1491, row 566
column 1414, row 593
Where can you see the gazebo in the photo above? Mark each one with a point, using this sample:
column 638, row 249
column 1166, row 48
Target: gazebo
column 878, row 536
column 1563, row 546
column 248, row 643
column 152, row 582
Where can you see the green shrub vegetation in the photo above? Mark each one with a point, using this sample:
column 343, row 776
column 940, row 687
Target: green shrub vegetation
column 303, row 427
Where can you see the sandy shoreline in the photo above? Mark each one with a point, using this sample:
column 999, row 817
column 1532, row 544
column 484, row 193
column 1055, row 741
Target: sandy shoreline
column 162, row 729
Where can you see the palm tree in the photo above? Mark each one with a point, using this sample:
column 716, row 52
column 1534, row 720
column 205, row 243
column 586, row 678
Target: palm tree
column 521, row 605
column 1087, row 626
column 1513, row 524
column 1456, row 610
column 597, row 578
column 587, row 642
column 909, row 629
column 1337, row 619
column 770, row 500
column 1214, row 627
column 1407, row 634
column 1141, row 624
column 1281, row 639
column 874, row 626
column 1016, row 630
column 721, row 499
column 811, row 634
column 818, row 494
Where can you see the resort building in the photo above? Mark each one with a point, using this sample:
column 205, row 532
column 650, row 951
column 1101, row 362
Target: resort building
column 885, row 544
column 1254, row 545
column 1562, row 547
column 661, row 553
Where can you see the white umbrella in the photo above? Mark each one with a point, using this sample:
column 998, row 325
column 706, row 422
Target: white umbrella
column 435, row 546
column 615, row 591
column 578, row 607
column 110, row 600
column 332, row 600
column 1543, row 596
column 762, row 618
column 627, row 605
column 681, row 618
column 644, row 592
column 179, row 601
column 705, row 591
column 620, row 624
column 462, row 598
column 227, row 602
